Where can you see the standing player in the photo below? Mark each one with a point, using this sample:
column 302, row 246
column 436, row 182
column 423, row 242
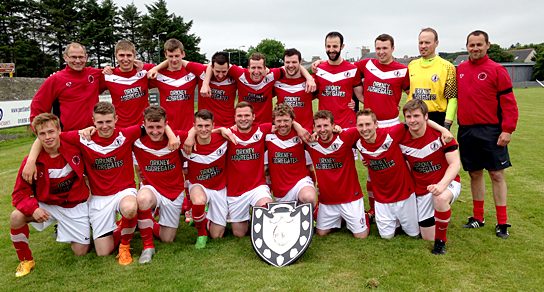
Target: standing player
column 291, row 179
column 71, row 92
column 384, row 80
column 291, row 89
column 391, row 179
column 128, row 86
column 222, row 87
column 255, row 85
column 333, row 161
column 208, row 179
column 58, row 195
column 432, row 80
column 176, row 87
column 435, row 168
column 336, row 81
column 488, row 115
column 163, row 182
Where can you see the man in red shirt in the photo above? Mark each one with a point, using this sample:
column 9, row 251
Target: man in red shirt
column 128, row 86
column 333, row 161
column 487, row 117
column 71, row 92
column 59, row 194
column 255, row 84
column 435, row 167
column 287, row 164
column 163, row 181
column 291, row 89
column 336, row 81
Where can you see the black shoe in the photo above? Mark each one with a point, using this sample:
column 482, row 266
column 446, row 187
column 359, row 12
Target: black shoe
column 474, row 223
column 439, row 247
column 501, row 230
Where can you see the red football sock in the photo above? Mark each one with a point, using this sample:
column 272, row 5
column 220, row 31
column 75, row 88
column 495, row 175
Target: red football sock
column 187, row 204
column 127, row 228
column 19, row 238
column 478, row 210
column 156, row 230
column 442, row 220
column 199, row 217
column 367, row 221
column 502, row 216
column 145, row 224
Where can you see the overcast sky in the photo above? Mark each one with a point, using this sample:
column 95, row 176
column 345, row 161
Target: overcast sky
column 303, row 24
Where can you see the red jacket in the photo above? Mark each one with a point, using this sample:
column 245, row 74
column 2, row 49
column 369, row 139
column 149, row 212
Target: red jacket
column 73, row 95
column 25, row 196
column 485, row 95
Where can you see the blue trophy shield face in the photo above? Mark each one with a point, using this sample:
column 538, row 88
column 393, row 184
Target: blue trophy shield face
column 282, row 232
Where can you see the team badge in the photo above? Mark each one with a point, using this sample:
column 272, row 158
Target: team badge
column 461, row 75
column 68, row 84
column 76, row 160
column 281, row 233
column 90, row 78
column 435, row 146
column 435, row 78
column 347, row 74
column 219, row 152
column 296, row 140
column 335, row 146
column 397, row 73
column 257, row 136
column 482, row 76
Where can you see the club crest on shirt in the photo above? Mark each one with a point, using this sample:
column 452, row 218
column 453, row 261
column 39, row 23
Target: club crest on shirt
column 435, row 78
column 347, row 74
column 90, row 78
column 219, row 152
column 257, row 137
column 482, row 76
column 68, row 84
column 76, row 160
column 140, row 74
column 435, row 146
column 335, row 146
column 281, row 232
column 397, row 73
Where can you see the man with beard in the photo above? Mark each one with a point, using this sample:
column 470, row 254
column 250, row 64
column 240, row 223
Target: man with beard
column 290, row 89
column 336, row 82
column 333, row 161
column 432, row 80
column 255, row 84
column 488, row 115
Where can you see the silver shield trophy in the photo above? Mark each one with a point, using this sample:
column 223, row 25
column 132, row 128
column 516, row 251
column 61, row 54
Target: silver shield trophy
column 281, row 233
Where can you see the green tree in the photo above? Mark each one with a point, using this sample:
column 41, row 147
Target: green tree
column 237, row 57
column 130, row 24
column 499, row 55
column 272, row 49
column 538, row 69
column 159, row 25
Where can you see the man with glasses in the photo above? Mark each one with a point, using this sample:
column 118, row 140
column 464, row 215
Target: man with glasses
column 71, row 92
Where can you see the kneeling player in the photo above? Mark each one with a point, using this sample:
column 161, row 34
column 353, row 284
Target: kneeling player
column 340, row 194
column 162, row 185
column 58, row 195
column 207, row 179
column 435, row 167
column 291, row 179
column 391, row 179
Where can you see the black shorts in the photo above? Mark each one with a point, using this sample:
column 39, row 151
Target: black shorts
column 479, row 150
column 437, row 117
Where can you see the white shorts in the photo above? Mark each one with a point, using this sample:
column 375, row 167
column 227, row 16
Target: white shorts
column 169, row 211
column 103, row 211
column 390, row 215
column 330, row 216
column 425, row 207
column 292, row 194
column 134, row 161
column 217, row 204
column 73, row 223
column 239, row 206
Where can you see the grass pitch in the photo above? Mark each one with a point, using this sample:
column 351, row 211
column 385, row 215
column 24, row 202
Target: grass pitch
column 476, row 260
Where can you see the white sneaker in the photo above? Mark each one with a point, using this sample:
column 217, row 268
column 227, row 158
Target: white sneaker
column 146, row 256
